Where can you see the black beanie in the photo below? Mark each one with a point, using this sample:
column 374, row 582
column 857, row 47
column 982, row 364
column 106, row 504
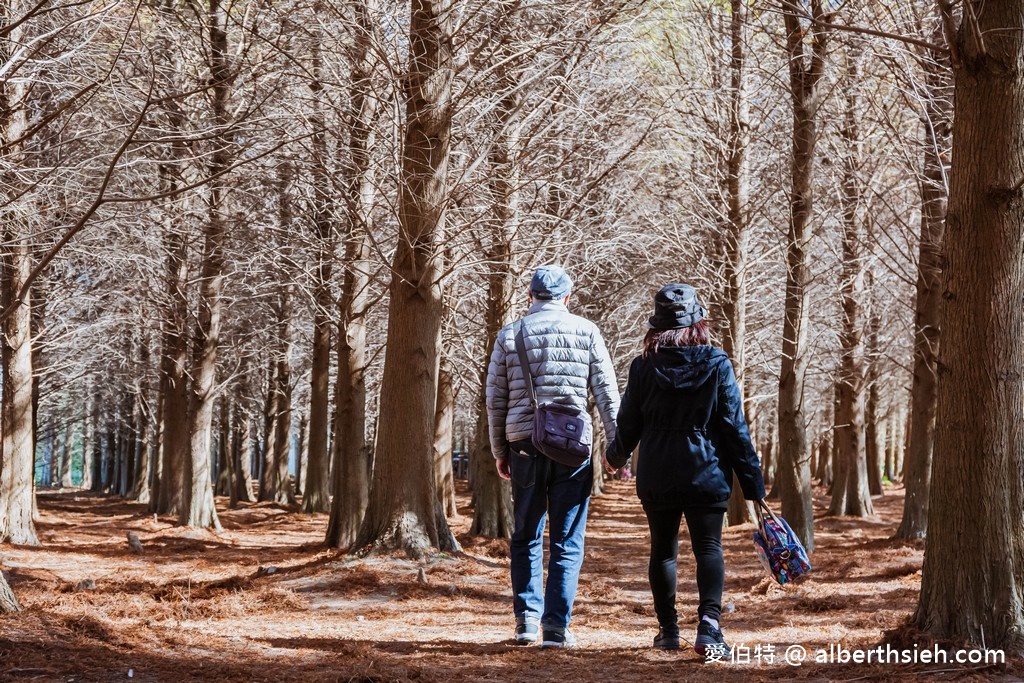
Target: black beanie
column 676, row 306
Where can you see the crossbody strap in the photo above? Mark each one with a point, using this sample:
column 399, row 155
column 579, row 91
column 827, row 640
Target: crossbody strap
column 524, row 363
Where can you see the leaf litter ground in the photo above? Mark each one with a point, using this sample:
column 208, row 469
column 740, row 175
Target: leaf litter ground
column 264, row 601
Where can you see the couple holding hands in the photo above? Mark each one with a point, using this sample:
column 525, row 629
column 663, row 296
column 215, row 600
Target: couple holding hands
column 682, row 405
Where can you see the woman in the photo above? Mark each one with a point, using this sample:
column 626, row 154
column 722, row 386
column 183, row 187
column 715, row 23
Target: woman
column 683, row 406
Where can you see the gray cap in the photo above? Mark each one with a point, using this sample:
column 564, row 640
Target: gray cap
column 550, row 282
column 676, row 305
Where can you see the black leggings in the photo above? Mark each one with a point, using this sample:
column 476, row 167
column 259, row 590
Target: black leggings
column 705, row 527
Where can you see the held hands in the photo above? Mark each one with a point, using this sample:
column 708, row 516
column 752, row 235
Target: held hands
column 608, row 468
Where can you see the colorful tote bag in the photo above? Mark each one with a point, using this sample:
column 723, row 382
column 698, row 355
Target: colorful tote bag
column 780, row 550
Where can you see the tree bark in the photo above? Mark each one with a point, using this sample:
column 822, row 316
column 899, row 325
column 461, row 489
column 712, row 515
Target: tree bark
column 8, row 603
column 401, row 510
column 977, row 488
column 794, row 475
column 351, row 456
column 936, row 140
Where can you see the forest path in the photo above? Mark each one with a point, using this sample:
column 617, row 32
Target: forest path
column 263, row 601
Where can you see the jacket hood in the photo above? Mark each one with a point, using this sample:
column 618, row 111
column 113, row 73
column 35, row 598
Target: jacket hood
column 685, row 368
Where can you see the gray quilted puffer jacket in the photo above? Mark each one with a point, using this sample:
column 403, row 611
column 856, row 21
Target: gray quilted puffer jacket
column 567, row 355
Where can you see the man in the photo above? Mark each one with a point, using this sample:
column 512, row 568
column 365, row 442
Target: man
column 566, row 355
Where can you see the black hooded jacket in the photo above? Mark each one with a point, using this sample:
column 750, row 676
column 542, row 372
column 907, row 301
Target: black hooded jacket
column 683, row 406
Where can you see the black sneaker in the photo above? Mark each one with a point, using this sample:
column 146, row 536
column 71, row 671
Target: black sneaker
column 558, row 638
column 710, row 642
column 527, row 632
column 667, row 639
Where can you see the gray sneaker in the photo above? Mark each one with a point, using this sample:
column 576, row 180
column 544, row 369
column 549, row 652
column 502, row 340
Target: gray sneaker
column 527, row 632
column 558, row 637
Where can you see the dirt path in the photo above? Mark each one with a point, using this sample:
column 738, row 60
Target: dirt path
column 262, row 601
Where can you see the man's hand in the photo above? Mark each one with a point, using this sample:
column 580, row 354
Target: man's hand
column 503, row 467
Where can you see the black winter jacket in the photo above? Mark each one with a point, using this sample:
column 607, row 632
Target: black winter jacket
column 683, row 406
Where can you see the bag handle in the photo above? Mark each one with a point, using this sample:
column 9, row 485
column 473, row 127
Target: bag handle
column 524, row 363
column 764, row 512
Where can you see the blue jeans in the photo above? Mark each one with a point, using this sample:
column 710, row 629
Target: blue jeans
column 543, row 488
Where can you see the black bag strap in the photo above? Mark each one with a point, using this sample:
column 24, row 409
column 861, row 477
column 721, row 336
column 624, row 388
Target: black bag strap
column 524, row 363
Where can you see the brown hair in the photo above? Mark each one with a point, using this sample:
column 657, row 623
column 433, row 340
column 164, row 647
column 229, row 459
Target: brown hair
column 697, row 334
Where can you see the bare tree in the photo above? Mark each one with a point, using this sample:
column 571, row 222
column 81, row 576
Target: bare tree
column 850, row 495
column 401, row 510
column 806, row 70
column 978, row 457
column 936, row 139
column 351, row 454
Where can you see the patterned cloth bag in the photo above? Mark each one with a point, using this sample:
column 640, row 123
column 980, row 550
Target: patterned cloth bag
column 780, row 550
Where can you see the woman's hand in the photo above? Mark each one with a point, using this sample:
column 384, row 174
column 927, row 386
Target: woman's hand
column 607, row 465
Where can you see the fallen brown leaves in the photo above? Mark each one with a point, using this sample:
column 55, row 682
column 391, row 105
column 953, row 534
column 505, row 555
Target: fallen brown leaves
column 264, row 601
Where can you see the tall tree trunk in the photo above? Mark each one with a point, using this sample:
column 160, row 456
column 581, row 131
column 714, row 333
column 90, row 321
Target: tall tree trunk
column 224, row 468
column 350, row 474
column 197, row 506
column 768, row 451
column 17, row 416
column 443, row 442
column 88, row 437
column 17, row 467
column 401, row 511
column 738, row 183
column 872, row 420
column 302, row 455
column 850, row 495
column 67, row 455
column 977, row 485
column 174, row 353
column 280, row 442
column 315, row 491
column 243, row 456
column 143, row 428
column 937, row 119
column 794, row 475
